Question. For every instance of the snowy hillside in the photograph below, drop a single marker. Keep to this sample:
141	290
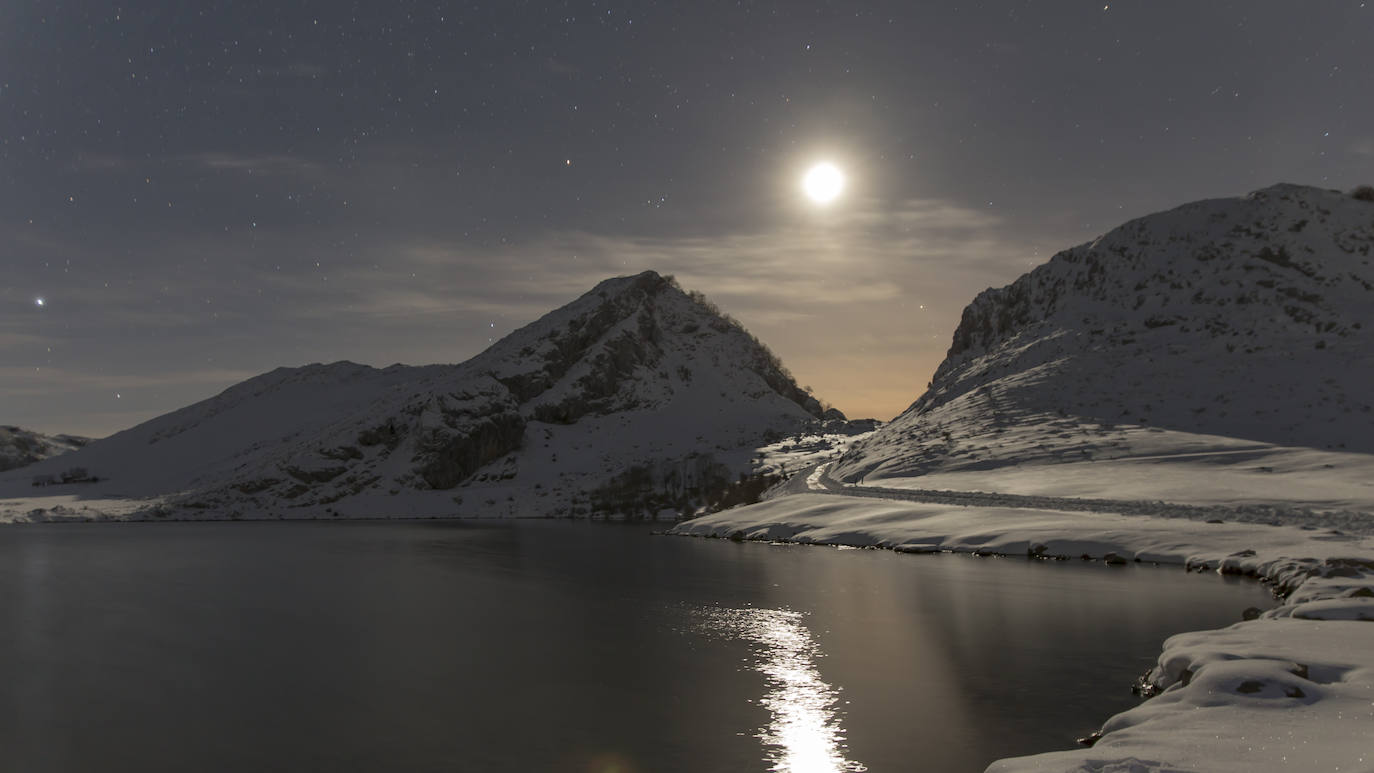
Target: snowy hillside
636	395
20	447
1232	330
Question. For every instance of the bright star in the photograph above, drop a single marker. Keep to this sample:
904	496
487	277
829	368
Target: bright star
38	301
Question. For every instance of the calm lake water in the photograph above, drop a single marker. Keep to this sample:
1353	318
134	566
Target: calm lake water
556	646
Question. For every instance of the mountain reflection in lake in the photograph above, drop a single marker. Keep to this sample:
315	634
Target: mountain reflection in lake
804	735
552	646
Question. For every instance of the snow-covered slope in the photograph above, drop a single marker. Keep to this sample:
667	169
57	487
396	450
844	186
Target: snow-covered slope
636	395
20	447
1245	321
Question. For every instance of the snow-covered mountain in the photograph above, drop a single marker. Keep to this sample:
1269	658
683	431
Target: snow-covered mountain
1245	318
20	447
636	395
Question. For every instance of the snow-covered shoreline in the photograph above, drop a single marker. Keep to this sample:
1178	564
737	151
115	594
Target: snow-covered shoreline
1293	689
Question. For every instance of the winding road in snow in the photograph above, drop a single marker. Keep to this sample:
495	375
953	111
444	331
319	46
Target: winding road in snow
818	480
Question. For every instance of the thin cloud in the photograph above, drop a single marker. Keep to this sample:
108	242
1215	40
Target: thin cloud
873	256
880	286
271	164
101	162
16	341
29	381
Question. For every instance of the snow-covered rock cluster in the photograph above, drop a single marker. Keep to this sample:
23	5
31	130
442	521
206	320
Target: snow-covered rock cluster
1291	690
20	447
636	396
1249	318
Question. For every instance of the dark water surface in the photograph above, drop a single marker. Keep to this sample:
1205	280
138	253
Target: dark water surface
555	646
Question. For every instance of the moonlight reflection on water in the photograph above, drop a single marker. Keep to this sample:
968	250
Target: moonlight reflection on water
804	735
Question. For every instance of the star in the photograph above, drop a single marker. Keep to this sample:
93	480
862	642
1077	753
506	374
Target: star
39	302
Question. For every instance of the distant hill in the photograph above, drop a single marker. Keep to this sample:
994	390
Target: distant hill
635	397
21	447
1249	318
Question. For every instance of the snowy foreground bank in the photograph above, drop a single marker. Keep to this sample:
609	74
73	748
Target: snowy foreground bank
1292	690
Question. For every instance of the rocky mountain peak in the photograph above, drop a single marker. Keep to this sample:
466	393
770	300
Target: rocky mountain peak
1248	317
602	352
1261	248
635	385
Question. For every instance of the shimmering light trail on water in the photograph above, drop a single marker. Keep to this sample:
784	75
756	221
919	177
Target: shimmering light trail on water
805	735
409	646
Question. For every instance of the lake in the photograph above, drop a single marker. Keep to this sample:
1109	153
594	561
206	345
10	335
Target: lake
557	646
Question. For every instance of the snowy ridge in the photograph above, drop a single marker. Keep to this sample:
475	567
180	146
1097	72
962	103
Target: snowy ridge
635	396
1247	318
20	447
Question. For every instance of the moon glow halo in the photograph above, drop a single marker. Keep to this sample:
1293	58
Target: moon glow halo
823	183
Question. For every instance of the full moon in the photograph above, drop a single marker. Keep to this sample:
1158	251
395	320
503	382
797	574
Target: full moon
823	183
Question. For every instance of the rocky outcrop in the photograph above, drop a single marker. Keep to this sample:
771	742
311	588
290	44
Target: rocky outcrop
445	459
20	447
589	361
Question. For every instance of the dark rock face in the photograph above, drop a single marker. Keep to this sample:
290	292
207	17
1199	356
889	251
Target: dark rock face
562	349
996	315
446	459
597	390
319	475
677	484
617	333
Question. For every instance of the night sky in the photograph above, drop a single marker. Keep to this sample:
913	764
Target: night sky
199	192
